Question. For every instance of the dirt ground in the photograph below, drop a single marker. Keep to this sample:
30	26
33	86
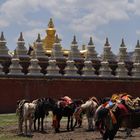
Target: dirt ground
77	134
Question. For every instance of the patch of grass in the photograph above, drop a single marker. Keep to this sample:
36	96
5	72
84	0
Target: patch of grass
8	119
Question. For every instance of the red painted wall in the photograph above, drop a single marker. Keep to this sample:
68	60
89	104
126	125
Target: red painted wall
13	89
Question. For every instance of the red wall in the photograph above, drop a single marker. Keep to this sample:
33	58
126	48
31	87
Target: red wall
13	89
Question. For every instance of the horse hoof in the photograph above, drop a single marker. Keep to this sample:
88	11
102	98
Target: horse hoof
57	131
20	133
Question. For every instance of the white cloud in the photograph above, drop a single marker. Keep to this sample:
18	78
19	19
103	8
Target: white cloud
4	23
81	16
138	32
79	13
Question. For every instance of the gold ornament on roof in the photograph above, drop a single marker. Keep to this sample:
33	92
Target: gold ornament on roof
50	38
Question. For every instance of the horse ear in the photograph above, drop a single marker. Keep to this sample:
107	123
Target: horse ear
18	101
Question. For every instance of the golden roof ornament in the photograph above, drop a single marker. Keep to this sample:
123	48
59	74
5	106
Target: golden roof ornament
50	24
90	41
20	37
2	37
49	40
122	44
74	40
107	42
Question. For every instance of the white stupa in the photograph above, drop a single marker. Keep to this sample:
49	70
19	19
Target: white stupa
121	71
91	54
71	69
3	48
74	53
15	68
39	50
88	69
34	68
136	70
52	69
136	55
122	56
107	53
57	49
105	70
21	50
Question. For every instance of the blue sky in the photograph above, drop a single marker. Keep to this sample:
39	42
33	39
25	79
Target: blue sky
84	18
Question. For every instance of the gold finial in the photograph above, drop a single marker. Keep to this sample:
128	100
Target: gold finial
51	25
138	44
122	44
2	37
74	40
38	38
57	40
107	42
90	41
21	37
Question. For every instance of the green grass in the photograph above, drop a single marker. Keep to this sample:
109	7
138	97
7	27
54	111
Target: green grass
8	119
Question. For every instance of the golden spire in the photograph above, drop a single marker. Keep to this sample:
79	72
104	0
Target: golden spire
49	40
50	24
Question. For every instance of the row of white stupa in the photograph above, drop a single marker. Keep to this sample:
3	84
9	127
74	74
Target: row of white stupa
70	69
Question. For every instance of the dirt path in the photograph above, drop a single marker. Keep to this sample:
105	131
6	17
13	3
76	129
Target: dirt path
77	134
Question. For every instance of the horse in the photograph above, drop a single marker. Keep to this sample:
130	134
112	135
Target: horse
110	119
25	112
89	108
78	117
43	106
65	107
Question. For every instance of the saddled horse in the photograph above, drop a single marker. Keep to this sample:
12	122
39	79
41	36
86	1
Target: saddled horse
109	120
43	106
63	108
25	112
89	108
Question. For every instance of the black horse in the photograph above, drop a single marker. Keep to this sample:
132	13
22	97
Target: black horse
123	119
44	105
64	111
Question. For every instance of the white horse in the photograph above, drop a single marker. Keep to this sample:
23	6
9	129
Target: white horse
89	108
25	112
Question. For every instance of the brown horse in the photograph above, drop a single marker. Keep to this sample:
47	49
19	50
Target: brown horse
122	116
